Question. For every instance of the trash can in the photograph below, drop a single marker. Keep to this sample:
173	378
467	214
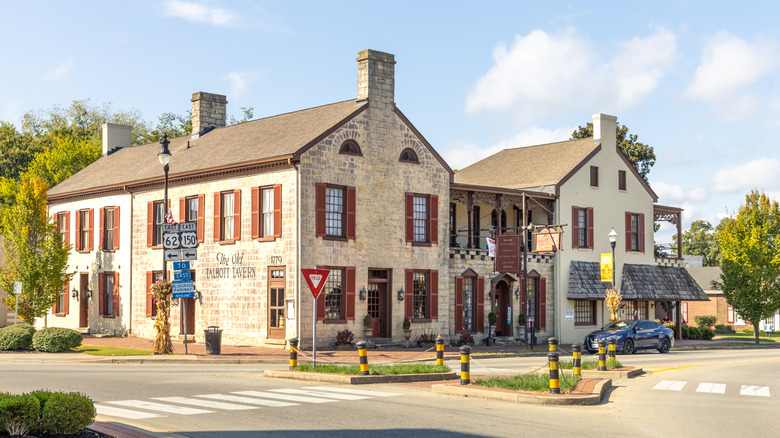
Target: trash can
213	339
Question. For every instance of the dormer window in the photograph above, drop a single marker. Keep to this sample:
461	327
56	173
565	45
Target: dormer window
350	147
408	156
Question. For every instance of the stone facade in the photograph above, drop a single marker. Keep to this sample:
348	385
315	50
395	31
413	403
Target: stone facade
208	111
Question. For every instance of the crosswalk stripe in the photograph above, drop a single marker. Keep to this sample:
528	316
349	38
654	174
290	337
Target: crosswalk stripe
284	397
248	400
714	388
669	385
123	413
152	406
353	391
759	391
320	394
205	403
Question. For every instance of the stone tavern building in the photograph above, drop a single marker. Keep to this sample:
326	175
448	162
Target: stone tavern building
355	188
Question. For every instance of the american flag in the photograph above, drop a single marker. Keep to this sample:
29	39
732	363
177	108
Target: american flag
169	218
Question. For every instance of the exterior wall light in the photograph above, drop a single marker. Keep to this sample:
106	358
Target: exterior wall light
401	294
362	293
74	293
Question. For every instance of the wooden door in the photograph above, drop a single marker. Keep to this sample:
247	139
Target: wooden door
83	300
374	308
276	318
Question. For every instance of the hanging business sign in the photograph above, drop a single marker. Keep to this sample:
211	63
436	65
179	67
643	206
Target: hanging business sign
606	267
507	259
547	240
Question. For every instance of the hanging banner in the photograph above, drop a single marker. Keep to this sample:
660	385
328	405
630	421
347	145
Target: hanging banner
606	268
547	240
491	244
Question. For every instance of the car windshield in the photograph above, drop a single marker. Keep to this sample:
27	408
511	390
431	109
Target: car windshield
617	325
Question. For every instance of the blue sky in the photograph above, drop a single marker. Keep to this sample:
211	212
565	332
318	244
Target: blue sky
697	81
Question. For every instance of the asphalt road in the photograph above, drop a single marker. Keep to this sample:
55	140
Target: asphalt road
689	394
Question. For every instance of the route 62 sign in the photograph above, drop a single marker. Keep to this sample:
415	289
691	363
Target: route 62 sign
171	240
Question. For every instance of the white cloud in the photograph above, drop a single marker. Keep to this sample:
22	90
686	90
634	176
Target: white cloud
200	13
239	81
761	173
60	71
544	73
672	194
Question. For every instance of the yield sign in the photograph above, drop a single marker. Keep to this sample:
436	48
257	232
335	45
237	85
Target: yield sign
315	278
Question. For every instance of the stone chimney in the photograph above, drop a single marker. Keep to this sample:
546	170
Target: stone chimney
376	79
115	137
604	127
208	112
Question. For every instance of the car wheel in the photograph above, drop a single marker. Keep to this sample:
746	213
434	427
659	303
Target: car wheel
628	347
665	346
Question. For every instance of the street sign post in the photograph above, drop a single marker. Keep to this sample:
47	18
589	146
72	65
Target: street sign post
182	284
172	255
189	254
315	278
181	266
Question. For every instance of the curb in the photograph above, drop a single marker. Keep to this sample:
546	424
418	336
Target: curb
359	380
621	373
521	397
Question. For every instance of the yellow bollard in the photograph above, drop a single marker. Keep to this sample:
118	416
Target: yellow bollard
440	350
576	351
293	353
363	358
465	351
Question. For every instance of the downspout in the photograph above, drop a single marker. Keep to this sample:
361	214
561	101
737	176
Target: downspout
130	322
297	250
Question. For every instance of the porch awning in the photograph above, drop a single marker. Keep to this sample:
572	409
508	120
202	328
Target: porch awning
585	281
660	283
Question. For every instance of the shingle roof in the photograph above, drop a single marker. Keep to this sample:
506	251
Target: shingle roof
530	166
704	276
659	283
262	139
585	281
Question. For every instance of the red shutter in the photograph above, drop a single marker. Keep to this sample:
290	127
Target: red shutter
149	223
542	303
67	226
434	292
351	212
149	302
116	227
684	308
590	227
479	317
277	210
409	202
201	216
408	294
254	204
349	311
237	214
91	229
628	231
641	232
434	219
78	230
575	227
66	298
101	293
459	304
319	205
102	220
730	315
116	293
183	210
217	216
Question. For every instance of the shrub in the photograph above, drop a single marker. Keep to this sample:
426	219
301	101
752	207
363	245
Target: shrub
16	336
722	328
747	330
466	339
705	321
19	414
407	324
54	339
492	318
344	337
706	333
693	333
67	413
367	321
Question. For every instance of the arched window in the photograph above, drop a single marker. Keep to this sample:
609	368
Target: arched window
350	147
408	156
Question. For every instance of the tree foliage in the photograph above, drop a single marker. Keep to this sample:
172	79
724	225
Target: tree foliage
639	154
750	246
700	240
34	252
170	124
16	150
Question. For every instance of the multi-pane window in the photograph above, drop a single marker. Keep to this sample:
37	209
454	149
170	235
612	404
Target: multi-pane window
228	211
334	294
108	290
159	220
453	228
634	310
582	222
190	213
267	221
469	287
634	235
584	312
59	307
62	225
420	295
108	228
475	227
334	211
276	301
420	218
84	229
156	276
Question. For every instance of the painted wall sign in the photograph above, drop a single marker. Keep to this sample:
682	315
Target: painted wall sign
230	266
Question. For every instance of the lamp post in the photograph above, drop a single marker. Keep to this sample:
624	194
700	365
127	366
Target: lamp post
165	156
612	239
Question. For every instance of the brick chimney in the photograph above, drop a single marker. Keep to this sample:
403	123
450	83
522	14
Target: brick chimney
604	127
115	137
208	112
376	78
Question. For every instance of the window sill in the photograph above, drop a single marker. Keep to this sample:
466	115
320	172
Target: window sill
107	316
421	243
108	250
421	320
83	251
227	242
265	239
156	246
337	238
334	321
61	314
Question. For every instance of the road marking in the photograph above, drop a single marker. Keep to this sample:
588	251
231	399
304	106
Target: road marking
205	403
284	397
682	367
248	400
353	391
123	413
320	394
669	385
713	388
752	390
152	406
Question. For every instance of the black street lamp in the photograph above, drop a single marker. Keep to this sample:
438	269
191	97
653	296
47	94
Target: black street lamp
165	156
612	239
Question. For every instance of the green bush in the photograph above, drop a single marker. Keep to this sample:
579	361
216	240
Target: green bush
693	332
54	339
707	333
19	414
16	336
705	321
67	413
747	330
722	328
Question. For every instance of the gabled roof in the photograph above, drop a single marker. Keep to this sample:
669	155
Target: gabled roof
660	283
704	276
270	139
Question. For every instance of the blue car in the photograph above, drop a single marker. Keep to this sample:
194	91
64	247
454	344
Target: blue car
631	336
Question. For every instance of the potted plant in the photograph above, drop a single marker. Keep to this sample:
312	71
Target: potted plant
492	318
368	330
407	325
521	325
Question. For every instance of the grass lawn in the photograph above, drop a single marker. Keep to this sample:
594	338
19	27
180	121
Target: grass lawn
750	337
529	382
377	370
591	364
97	350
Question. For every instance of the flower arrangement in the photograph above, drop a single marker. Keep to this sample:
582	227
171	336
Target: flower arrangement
161	297
613	299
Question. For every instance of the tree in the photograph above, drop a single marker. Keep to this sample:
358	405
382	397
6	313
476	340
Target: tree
249	113
16	150
750	246
34	252
700	240
639	154
170	124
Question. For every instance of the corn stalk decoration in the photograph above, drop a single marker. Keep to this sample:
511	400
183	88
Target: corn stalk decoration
161	292
613	298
